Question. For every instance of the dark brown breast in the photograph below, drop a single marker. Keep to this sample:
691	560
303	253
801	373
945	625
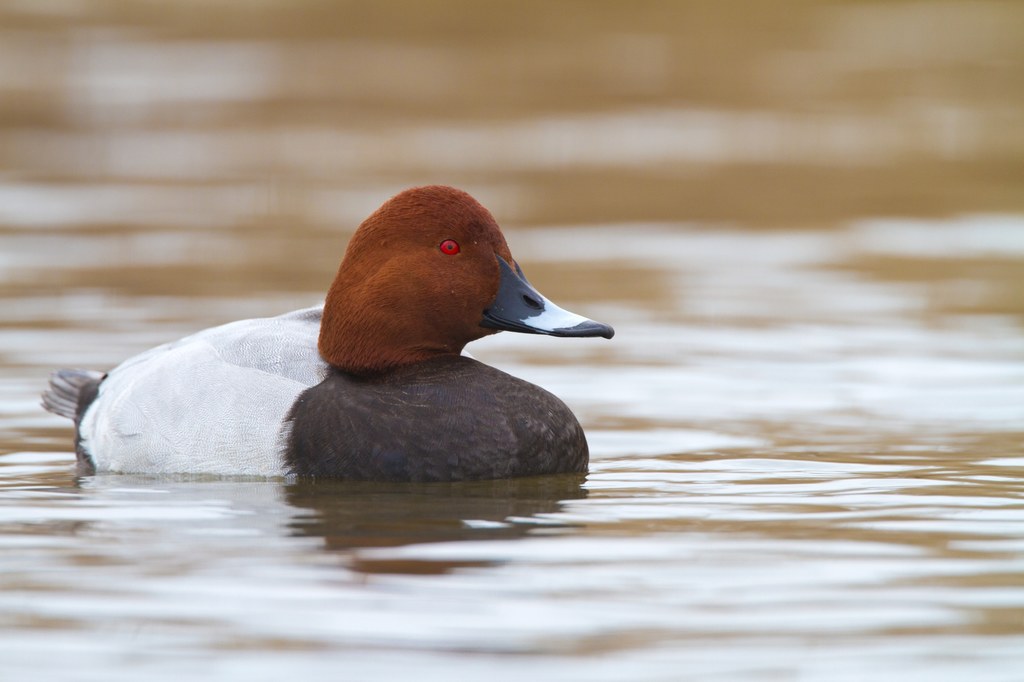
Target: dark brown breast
446	419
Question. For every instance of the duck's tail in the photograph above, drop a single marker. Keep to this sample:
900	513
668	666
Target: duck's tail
71	391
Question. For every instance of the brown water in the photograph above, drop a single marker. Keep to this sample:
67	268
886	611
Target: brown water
805	221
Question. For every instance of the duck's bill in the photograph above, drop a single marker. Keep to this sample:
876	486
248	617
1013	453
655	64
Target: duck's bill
518	307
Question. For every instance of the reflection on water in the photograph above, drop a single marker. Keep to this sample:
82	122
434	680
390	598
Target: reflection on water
354	515
804	221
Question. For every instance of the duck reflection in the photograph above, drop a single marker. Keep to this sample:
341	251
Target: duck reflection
354	515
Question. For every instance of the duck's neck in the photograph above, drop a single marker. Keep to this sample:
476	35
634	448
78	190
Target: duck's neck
367	340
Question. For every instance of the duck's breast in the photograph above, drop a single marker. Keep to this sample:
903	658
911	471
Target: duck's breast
213	402
447	419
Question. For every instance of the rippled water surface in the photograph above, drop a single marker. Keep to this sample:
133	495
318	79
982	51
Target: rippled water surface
806	227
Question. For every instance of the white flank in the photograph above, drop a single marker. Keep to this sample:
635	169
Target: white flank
213	402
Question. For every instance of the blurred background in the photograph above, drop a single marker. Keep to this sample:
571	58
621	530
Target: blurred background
303	115
711	177
804	219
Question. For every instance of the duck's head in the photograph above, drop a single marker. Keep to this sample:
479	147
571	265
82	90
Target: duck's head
425	274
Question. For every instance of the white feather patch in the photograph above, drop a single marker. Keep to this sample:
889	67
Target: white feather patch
213	402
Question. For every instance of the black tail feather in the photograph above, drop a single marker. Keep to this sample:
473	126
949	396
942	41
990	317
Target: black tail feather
71	391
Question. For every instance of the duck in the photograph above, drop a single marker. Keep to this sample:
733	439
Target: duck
374	384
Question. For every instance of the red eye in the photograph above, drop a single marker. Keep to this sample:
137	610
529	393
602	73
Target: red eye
449	247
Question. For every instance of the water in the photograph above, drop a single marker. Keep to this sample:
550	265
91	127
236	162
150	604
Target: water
806	434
